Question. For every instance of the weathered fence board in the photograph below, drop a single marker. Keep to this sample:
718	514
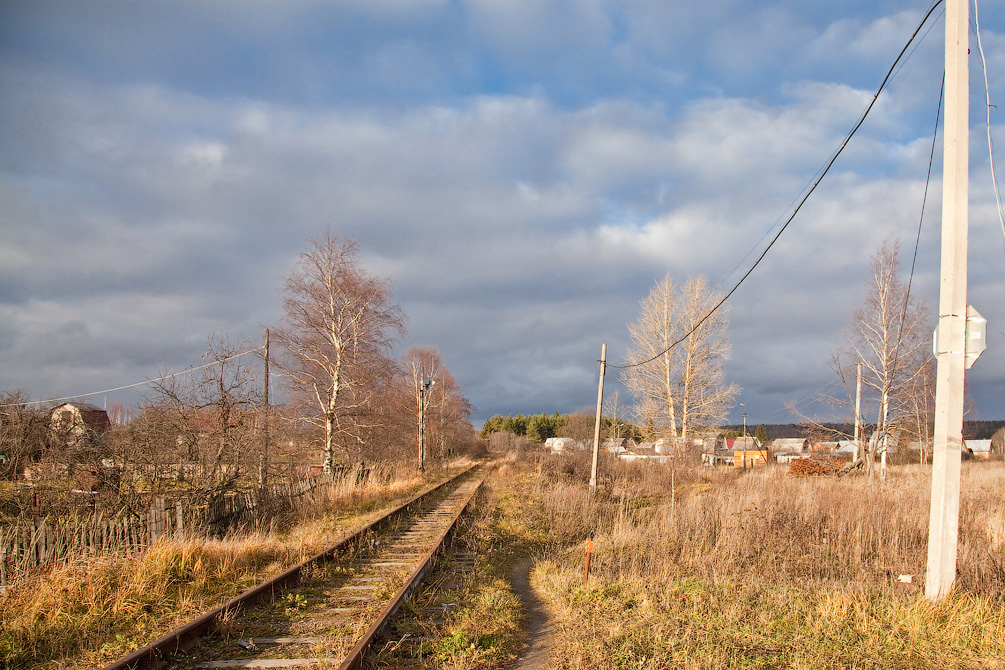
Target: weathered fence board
28	544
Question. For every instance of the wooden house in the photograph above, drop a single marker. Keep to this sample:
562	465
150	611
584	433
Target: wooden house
979	449
752	458
79	421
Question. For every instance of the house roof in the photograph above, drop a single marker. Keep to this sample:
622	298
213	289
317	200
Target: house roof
82	406
790	444
978	445
91	415
749	443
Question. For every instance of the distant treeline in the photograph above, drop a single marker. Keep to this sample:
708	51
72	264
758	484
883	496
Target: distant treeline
981	430
539	427
972	430
772	431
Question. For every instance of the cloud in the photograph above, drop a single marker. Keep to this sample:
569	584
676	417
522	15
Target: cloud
523	171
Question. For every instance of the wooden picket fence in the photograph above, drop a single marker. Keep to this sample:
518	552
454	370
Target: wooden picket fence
32	544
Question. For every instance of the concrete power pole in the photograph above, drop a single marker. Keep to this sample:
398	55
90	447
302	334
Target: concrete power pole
596	427
943	528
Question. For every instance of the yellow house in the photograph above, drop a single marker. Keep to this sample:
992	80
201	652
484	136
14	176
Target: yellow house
748	452
752	458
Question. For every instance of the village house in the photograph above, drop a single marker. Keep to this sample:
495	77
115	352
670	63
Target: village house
748	452
79	422
979	449
78	427
561	445
787	449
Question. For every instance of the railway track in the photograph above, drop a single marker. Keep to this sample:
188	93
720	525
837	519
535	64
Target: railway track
328	610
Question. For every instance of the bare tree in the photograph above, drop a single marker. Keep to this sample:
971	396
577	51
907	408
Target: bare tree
24	432
580	426
617	429
337	331
424	362
889	336
448	411
676	364
208	415
917	421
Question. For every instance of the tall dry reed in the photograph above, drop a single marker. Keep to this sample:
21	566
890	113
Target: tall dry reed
669	521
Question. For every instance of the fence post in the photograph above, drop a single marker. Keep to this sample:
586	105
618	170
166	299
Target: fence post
178	519
163	522
40	533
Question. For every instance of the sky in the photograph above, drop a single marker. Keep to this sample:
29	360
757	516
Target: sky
523	170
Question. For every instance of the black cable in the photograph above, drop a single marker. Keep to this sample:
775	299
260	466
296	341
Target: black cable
830	163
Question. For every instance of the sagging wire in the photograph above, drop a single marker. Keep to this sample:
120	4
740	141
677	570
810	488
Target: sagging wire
991	145
129	386
816	397
816	182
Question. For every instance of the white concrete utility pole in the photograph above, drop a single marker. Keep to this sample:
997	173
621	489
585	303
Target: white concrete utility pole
596	427
943	529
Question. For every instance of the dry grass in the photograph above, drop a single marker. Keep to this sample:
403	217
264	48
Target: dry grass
484	623
90	612
695	624
714	568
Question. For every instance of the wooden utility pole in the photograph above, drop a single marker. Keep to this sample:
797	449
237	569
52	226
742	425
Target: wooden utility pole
943	528
596	427
424	384
422	427
263	464
859	451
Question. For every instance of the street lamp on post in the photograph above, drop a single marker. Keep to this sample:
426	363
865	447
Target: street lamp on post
744	439
424	385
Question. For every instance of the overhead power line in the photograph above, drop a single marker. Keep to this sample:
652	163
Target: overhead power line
991	144
134	385
816	182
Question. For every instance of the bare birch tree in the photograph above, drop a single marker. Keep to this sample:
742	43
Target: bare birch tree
337	330
448	411
676	364
889	335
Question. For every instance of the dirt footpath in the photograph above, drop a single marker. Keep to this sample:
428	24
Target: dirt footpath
539	629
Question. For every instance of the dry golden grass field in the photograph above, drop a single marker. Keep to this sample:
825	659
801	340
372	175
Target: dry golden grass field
717	568
692	568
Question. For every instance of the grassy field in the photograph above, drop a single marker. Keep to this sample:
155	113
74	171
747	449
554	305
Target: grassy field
714	568
692	568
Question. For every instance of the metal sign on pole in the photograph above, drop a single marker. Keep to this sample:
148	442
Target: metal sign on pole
977	336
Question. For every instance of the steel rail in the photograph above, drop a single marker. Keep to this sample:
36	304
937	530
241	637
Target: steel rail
185	637
354	661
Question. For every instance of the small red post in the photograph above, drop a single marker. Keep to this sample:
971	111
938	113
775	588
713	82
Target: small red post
589	554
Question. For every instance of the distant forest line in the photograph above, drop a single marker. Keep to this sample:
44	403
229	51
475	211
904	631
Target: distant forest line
539	427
